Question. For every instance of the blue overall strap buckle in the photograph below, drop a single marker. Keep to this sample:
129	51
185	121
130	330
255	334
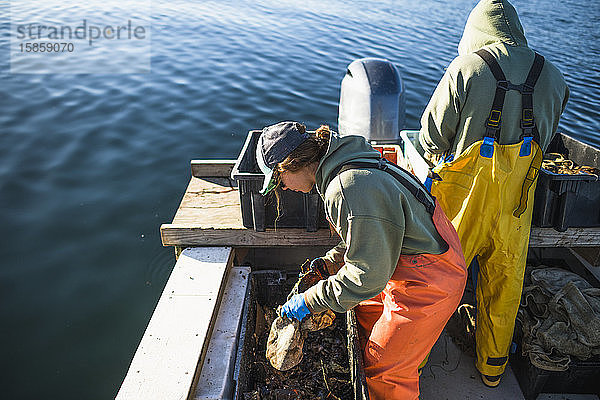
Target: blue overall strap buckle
428	183
526	146
487	147
447	158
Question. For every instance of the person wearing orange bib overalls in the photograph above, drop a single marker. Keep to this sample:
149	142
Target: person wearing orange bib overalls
399	262
489	120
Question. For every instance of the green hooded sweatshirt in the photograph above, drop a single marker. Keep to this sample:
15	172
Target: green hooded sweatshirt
378	220
456	114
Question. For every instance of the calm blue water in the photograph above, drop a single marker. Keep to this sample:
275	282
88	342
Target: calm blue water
91	165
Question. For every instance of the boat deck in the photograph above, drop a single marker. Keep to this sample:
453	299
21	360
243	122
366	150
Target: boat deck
450	374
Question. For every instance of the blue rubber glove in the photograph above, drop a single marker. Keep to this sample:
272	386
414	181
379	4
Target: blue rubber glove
295	308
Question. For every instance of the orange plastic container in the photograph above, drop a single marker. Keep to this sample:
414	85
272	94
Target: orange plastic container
390	152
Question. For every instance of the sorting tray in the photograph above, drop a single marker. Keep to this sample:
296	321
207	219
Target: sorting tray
271	287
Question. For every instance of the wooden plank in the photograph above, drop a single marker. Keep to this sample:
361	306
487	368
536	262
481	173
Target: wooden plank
212	168
165	364
211	215
591	268
207	204
590	254
190	235
215	215
572	237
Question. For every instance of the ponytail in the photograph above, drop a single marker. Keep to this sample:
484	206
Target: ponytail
309	152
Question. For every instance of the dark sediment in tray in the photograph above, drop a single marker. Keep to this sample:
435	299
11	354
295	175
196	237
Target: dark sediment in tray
323	373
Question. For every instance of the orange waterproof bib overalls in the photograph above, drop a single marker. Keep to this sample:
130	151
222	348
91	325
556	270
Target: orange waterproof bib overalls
400	325
487	192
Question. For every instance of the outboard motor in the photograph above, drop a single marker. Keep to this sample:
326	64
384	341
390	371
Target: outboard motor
372	102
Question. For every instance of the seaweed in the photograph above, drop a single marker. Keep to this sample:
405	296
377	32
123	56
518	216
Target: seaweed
323	373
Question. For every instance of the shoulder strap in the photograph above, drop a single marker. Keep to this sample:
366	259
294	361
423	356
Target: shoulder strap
528	126
492	63
492	124
527	120
413	185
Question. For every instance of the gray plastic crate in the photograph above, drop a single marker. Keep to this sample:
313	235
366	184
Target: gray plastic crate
564	201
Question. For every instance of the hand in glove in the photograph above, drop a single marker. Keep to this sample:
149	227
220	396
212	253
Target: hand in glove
295	308
319	267
311	272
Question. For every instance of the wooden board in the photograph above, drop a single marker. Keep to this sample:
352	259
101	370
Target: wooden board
572	237
591	268
165	363
209	205
190	235
590	254
212	168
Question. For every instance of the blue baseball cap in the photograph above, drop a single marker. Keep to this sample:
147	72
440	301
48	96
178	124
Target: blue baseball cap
275	143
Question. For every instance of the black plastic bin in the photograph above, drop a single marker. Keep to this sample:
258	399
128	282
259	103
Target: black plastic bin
296	210
271	287
564	201
582	376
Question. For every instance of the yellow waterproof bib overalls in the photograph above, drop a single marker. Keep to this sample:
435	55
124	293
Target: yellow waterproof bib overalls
487	192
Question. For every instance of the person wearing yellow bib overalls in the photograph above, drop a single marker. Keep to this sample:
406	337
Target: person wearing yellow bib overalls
491	116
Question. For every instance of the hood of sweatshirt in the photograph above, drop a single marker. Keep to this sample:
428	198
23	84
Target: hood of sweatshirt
340	151
491	21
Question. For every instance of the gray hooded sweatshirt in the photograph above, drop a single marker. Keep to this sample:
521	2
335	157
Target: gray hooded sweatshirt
455	116
377	218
